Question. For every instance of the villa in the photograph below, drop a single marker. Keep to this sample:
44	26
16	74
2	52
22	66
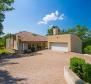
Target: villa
27	41
24	41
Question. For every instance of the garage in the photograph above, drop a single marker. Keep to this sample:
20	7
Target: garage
63	47
64	42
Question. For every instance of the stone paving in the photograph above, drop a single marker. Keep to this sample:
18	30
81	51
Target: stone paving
44	67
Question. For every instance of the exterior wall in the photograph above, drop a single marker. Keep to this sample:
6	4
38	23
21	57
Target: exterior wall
9	43
76	44
65	38
17	42
25	46
20	47
15	45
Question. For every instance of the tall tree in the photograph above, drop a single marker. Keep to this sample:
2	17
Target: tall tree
50	31
81	31
5	5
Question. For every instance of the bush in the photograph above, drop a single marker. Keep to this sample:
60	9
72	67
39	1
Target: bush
4	51
76	65
87	72
87	49
81	68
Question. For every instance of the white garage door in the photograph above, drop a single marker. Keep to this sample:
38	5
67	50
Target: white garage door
63	47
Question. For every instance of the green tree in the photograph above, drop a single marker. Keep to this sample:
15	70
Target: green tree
3	39
83	33
8	35
50	30
2	42
5	5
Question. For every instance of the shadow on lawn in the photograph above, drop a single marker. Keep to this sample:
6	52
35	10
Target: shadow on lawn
12	56
6	78
6	62
5	59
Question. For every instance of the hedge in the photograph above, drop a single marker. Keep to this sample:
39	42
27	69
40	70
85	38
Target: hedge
81	68
87	72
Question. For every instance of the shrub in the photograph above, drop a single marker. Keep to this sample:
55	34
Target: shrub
4	51
87	72
81	68
76	65
87	49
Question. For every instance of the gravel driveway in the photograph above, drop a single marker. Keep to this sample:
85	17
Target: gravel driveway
44	67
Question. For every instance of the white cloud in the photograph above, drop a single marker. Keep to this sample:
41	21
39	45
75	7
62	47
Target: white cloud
51	17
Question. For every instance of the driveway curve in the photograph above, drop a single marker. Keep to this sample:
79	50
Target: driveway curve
43	67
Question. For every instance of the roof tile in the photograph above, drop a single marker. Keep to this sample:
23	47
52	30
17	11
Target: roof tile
28	36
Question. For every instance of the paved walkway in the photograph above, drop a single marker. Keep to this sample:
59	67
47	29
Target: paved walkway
44	67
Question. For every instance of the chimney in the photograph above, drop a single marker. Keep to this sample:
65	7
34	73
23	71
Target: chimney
55	30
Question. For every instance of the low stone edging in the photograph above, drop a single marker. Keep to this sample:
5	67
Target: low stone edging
89	55
72	78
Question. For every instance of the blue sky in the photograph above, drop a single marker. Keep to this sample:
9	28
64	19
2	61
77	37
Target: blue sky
37	15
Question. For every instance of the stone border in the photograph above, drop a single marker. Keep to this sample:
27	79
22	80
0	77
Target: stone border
87	55
72	78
